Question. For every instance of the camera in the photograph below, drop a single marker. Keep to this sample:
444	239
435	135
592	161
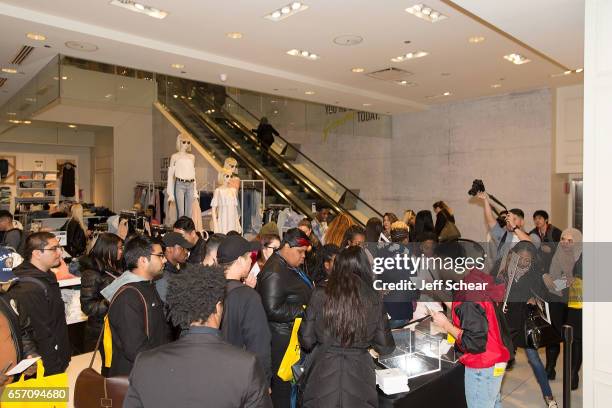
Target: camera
477	187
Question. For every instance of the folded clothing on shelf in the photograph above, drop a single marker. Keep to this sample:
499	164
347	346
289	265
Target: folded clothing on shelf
51	185
38	175
26	194
51	176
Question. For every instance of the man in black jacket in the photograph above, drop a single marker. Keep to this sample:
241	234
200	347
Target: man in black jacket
245	324
199	369
9	235
285	290
136	314
186	227
38	296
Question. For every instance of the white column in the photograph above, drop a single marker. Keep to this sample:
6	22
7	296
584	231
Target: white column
597	199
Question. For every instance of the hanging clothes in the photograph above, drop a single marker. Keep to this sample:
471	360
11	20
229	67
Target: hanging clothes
68	180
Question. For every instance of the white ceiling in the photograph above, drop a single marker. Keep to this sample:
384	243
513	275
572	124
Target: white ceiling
194	35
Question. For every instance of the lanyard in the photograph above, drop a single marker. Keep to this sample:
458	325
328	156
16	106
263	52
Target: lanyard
300	273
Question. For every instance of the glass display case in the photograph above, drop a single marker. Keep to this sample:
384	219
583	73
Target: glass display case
417	352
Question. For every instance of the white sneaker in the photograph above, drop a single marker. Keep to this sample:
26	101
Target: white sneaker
552	404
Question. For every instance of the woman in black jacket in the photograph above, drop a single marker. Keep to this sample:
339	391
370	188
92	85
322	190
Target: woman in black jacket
76	232
99	269
443	214
285	290
265	133
343	320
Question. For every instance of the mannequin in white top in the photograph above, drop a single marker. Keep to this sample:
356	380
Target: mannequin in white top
224	205
181	177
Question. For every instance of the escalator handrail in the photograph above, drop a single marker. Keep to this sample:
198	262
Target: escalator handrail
346	189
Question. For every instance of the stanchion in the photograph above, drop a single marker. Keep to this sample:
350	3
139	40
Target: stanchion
568	339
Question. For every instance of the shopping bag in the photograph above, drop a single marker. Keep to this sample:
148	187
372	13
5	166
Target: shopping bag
292	354
38	392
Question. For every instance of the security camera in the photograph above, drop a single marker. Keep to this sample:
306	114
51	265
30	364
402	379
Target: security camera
223	77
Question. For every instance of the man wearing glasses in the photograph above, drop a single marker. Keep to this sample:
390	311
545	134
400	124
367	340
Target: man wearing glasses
136	317
38	296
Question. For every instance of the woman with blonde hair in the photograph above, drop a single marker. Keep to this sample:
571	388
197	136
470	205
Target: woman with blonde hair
337	229
410	220
76	232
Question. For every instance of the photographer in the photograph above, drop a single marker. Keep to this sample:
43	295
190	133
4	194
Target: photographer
506	236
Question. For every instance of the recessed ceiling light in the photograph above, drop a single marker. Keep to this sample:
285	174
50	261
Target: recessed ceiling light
72	126
9	70
304	54
447	93
410	55
496	86
579	70
286	11
81	46
234	35
140	8
405	83
64	78
366	104
426	13
178	66
309	92
36	37
27	122
476	39
357	70
348	40
517	59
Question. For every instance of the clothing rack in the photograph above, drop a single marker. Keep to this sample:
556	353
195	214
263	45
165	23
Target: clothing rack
252	184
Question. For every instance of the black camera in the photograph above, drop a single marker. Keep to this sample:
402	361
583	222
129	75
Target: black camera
477	187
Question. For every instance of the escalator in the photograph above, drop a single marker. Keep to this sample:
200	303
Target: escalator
291	177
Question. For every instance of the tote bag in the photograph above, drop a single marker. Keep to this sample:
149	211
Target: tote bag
292	354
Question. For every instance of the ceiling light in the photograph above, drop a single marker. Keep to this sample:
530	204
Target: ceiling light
72	126
405	83
410	55
27	122
9	70
304	54
36	37
81	46
309	92
496	86
426	13
286	11
579	70
517	59
140	8
446	93
234	35
476	39
178	66
357	70
64	78
366	104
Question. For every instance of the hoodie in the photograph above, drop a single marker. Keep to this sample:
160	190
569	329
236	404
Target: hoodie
125	278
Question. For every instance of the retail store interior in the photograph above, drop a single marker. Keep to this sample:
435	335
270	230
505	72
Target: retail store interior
376	108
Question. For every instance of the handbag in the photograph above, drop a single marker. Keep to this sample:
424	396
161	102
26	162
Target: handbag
92	389
57	383
292	354
538	332
450	232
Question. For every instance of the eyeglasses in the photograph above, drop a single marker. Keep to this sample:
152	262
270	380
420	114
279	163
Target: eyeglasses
55	248
160	255
271	247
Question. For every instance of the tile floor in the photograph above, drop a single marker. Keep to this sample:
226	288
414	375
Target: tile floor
519	389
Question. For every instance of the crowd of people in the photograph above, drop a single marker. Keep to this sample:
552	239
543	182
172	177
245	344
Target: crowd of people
211	316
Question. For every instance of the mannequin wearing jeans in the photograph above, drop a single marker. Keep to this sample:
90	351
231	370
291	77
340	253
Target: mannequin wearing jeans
181	177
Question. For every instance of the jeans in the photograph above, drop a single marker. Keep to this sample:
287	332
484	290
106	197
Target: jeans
482	389
539	371
183	192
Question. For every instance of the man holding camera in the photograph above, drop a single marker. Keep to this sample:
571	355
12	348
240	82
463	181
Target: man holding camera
506	230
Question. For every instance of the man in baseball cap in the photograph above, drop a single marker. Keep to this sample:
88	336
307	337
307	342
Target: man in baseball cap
244	324
176	252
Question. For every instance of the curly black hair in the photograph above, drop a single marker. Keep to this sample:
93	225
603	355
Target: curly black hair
194	294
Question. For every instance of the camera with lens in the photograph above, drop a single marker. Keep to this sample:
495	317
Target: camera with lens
135	221
477	187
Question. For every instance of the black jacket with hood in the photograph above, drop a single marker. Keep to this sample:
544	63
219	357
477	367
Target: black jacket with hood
42	303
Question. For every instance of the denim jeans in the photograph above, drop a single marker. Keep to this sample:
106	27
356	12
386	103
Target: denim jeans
482	389
539	371
183	192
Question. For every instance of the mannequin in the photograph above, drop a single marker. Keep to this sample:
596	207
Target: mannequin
230	164
224	204
181	177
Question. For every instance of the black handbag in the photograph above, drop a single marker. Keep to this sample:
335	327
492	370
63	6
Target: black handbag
538	332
